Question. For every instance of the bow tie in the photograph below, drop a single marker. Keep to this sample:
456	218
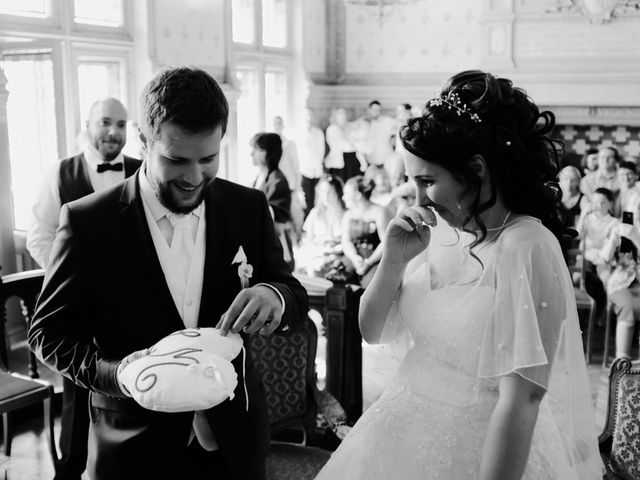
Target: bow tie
116	167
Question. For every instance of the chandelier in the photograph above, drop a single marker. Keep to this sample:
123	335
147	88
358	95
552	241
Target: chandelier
381	8
599	11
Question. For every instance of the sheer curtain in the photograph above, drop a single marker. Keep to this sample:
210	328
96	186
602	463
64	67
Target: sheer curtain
31	120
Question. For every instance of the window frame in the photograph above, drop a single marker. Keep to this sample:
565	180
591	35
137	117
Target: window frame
257	47
261	58
91	52
123	32
48	24
69	42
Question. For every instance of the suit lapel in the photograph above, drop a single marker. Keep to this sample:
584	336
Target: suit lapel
130	166
218	289
135	227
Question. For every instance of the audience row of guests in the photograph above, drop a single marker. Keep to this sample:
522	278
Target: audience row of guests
345	150
604	206
343	229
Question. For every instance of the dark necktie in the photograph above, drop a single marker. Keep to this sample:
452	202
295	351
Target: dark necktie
116	167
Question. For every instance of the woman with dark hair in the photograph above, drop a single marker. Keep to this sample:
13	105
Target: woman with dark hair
589	161
266	153
363	225
473	282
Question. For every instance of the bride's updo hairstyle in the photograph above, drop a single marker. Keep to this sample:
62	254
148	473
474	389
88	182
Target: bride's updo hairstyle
479	114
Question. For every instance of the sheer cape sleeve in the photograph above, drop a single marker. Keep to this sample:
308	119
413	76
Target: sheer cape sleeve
521	309
533	331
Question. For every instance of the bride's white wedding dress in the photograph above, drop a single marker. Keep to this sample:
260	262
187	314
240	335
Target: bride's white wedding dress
468	325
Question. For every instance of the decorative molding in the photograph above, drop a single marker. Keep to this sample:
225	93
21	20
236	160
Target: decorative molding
435	36
583	115
382	79
193	34
314	35
498	19
355	98
335	42
585	89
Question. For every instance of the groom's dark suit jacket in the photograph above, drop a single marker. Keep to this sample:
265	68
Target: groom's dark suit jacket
105	296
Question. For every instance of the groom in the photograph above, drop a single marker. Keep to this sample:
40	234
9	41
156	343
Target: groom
115	286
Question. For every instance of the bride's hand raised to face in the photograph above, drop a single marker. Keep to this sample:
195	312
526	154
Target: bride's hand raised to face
408	234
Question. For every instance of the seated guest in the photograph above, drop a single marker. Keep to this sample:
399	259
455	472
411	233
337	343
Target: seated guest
266	153
321	241
604	176
594	227
629	194
623	287
589	162
382	191
572	198
363	227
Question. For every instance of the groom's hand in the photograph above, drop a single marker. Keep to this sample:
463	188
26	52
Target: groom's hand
255	309
132	357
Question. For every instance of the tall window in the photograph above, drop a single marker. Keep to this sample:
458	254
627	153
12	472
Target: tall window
261	34
25	8
274	23
243	25
82	55
31	115
96	79
106	13
250	120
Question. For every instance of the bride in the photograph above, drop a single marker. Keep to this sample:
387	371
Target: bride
473	282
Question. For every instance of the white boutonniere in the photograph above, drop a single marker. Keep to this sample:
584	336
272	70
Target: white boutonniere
245	270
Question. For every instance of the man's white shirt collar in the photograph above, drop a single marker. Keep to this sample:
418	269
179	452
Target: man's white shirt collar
93	157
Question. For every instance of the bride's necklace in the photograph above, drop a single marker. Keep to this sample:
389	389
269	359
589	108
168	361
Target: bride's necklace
504	222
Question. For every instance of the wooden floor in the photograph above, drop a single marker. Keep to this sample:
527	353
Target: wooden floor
30	459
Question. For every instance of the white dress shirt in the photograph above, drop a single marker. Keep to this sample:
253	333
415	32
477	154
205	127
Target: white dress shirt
374	138
186	292
310	145
339	143
45	213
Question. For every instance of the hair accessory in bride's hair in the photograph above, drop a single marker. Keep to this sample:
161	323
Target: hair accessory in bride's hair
452	101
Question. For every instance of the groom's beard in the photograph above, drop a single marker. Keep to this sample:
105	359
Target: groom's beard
168	196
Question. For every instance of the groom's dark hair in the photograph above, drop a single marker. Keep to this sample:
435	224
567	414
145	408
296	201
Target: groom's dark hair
187	97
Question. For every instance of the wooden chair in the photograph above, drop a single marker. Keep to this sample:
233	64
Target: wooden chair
17	390
620	439
585	304
287	365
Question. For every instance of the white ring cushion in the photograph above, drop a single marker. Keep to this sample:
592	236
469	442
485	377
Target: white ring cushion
188	370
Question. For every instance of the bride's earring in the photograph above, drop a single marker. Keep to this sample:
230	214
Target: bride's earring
459	207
